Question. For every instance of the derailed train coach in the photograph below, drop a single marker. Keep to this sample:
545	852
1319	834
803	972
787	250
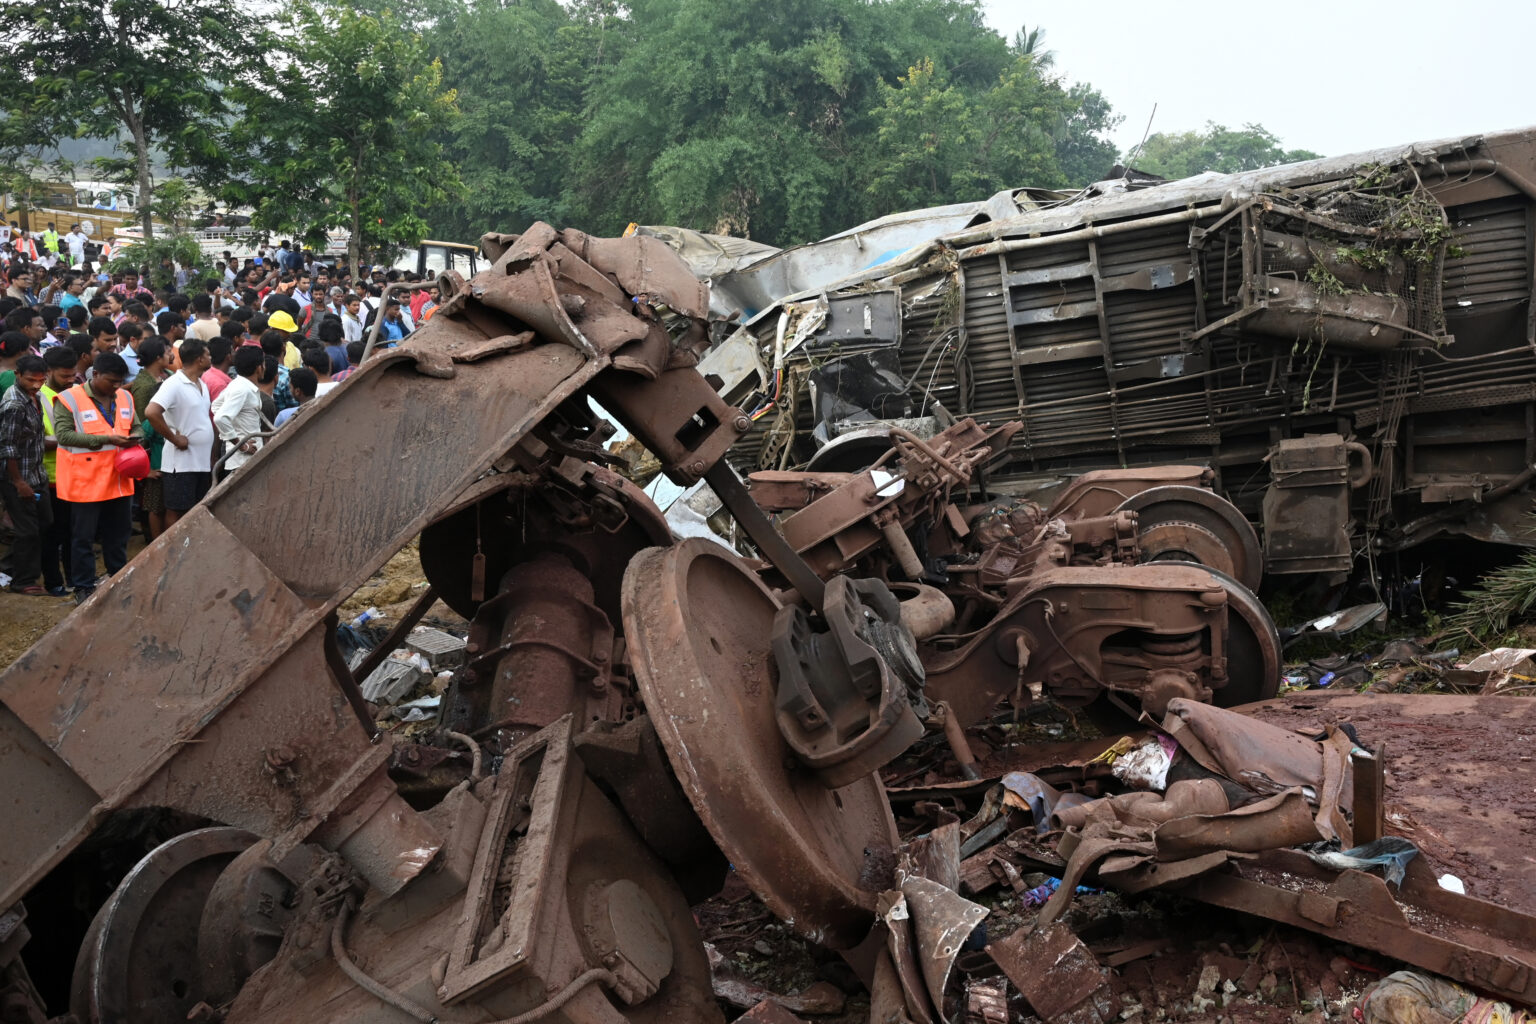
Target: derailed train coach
1348	344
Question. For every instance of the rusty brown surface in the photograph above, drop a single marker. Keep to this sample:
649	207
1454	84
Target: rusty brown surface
1480	943
1168	325
1066	616
698	626
1455	782
232	703
1192	524
1059	975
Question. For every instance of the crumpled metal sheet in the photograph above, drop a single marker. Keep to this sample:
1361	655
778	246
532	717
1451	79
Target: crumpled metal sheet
1058	974
1280	821
1183	798
942	920
928	920
1243	749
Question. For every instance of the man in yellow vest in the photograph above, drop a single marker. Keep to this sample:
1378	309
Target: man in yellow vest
92	421
61	361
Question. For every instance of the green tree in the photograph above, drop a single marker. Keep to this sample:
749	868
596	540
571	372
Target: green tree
155	257
754	119
161	71
1214	148
942	143
343	131
521	73
1083	153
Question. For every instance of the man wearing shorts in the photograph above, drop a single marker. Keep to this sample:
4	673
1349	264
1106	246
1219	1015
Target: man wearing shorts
180	413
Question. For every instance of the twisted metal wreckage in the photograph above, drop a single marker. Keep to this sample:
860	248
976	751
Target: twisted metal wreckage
638	713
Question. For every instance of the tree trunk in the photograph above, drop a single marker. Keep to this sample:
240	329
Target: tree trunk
353	241
141	152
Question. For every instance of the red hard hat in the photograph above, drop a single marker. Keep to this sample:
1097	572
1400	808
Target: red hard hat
133	462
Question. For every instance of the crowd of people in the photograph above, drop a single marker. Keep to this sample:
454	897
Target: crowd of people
122	404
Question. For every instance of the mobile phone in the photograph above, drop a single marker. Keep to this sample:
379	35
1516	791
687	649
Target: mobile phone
61	324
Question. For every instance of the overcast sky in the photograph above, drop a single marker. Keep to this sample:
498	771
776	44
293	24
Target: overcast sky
1334	77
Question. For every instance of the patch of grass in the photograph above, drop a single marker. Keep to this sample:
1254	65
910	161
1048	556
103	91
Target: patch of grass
1500	599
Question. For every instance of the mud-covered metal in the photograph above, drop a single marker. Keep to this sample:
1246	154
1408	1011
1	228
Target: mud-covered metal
698	625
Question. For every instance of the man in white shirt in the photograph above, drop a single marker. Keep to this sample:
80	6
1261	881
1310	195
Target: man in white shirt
180	412
237	413
75	240
352	318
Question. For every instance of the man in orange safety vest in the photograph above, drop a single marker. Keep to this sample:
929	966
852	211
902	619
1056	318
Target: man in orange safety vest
92	421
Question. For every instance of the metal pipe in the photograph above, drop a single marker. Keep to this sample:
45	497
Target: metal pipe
954	735
722	479
378	320
383	993
901	547
960	475
474	753
235	447
1450	168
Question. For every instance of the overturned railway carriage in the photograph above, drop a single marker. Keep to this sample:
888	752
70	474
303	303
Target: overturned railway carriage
1347	343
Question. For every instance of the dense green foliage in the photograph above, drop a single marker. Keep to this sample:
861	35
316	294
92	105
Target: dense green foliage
159	71
1215	148
343	132
784	122
396	119
151	257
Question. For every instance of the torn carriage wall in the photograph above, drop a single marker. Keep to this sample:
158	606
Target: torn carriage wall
1381	301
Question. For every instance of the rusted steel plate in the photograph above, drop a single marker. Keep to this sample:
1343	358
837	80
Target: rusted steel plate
698	626
44	805
126	682
421	439
1480	943
1455	786
160	649
1059	975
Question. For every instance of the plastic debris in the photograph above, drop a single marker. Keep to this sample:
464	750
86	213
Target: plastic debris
1146	767
1390	853
396	676
1452	884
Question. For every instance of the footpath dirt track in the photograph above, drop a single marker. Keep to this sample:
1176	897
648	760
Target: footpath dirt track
23	620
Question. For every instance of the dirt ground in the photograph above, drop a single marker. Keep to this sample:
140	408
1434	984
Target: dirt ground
23	620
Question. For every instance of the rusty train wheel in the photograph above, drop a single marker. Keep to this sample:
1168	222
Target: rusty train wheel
698	625
1191	524
139	963
1254	657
